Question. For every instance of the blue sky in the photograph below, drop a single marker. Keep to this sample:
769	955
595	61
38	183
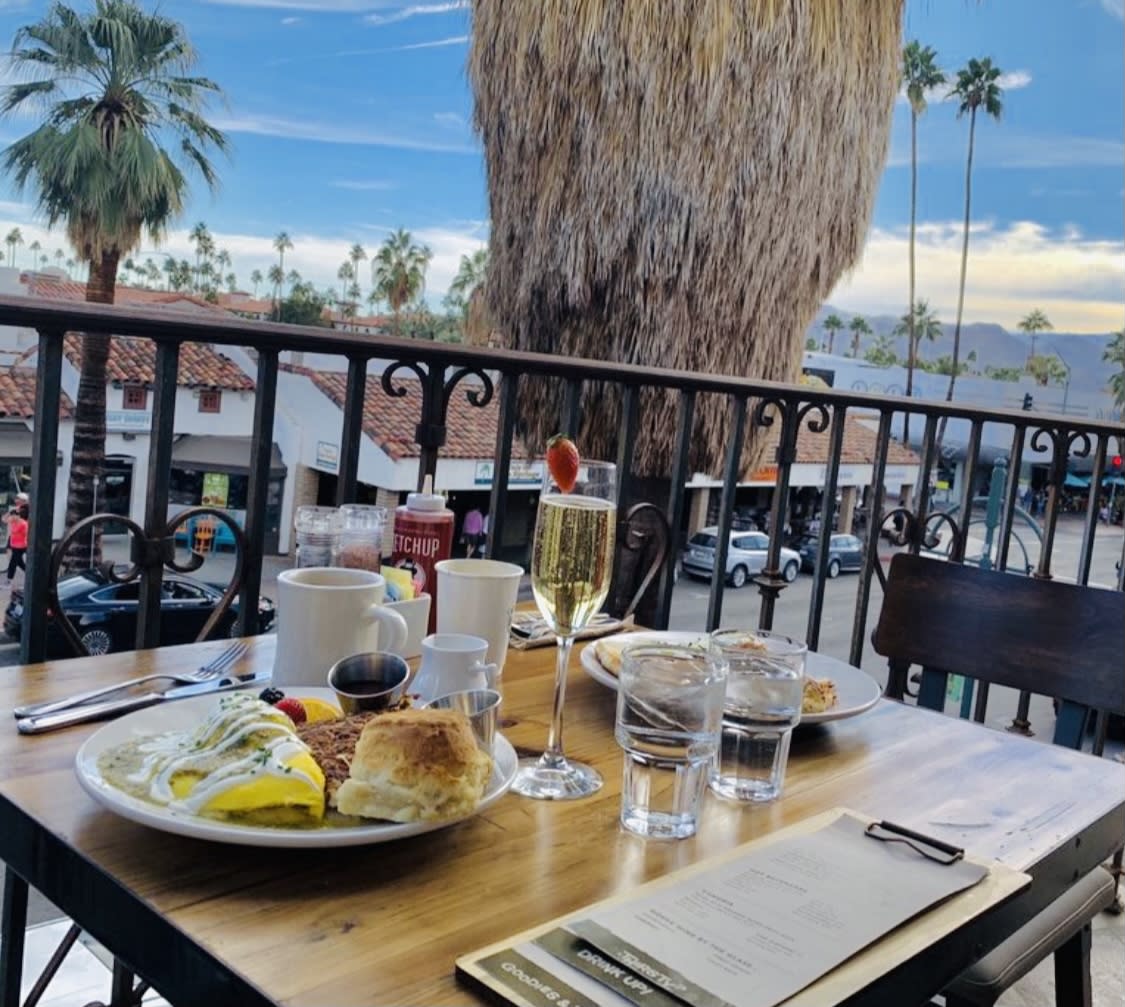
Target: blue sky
350	118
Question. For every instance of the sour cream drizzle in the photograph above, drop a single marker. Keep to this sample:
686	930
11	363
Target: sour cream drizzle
261	736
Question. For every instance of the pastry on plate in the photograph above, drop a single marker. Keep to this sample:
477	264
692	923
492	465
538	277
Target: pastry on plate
608	653
820	695
415	766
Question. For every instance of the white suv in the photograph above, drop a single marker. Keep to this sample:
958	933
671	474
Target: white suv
746	556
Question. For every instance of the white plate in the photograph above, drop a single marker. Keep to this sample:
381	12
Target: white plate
182	715
857	691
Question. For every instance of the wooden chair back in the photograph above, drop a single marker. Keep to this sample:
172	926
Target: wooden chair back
1041	636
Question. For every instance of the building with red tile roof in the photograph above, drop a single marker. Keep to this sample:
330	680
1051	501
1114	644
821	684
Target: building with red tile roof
17	395
132	361
56	287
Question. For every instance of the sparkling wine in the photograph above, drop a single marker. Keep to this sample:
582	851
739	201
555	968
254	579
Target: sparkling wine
572	558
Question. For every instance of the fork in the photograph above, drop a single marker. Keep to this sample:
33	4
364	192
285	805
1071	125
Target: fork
209	671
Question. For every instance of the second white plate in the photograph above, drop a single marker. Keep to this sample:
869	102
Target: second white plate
858	692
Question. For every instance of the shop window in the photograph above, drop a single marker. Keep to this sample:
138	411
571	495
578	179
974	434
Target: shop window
134	397
210	400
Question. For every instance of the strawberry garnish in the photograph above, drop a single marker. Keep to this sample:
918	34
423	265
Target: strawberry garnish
562	461
294	709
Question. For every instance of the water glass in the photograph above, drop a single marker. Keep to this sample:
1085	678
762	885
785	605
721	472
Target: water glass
764	691
669	711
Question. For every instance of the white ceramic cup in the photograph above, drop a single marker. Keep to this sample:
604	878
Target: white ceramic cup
478	596
416	612
452	662
325	614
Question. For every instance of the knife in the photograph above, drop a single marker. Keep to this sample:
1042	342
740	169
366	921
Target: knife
112	708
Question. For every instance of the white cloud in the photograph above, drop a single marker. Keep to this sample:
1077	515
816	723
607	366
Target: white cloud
409	12
1077	280
452	40
291	20
1115	7
327	132
364	184
1018	150
449	119
1015	80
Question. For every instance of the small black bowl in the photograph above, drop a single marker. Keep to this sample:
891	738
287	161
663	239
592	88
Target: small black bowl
373	681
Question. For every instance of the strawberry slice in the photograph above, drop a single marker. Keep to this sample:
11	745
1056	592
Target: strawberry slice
562	461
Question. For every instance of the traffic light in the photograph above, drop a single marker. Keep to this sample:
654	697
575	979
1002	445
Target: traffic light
1116	463
1027	401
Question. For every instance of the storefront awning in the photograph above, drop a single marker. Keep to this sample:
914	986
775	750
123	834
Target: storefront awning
206	453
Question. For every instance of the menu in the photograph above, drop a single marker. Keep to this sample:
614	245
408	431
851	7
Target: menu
750	931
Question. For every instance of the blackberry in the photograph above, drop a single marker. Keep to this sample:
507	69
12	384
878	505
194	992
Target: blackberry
271	696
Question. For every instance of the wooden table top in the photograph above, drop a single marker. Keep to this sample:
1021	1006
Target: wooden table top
384	924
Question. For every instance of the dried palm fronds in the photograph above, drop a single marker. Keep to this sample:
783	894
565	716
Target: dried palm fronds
676	184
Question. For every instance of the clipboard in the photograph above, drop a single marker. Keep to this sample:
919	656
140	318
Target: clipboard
513	972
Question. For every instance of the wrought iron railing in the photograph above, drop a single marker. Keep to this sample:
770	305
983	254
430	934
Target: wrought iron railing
441	370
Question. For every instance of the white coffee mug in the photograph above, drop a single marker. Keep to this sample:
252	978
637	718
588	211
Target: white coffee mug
416	612
325	614
452	662
478	596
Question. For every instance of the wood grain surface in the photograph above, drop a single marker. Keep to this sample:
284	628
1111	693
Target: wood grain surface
384	924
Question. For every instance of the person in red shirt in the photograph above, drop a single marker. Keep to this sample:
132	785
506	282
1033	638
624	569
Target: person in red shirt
16	520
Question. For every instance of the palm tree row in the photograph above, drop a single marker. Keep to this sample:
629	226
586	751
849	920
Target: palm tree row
975	89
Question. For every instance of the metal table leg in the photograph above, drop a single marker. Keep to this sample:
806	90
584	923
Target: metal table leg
13	923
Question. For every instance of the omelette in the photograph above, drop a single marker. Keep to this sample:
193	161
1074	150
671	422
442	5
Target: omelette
243	763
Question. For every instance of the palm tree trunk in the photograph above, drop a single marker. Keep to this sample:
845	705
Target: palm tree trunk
87	458
911	342
964	266
831	340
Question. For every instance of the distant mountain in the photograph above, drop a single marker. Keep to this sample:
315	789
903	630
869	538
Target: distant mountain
995	346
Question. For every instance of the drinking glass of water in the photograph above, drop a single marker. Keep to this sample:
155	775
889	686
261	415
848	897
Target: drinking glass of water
669	710
763	705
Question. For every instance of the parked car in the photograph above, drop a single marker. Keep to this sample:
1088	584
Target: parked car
845	552
105	613
746	555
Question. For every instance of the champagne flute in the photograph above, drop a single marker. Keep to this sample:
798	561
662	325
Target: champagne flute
571	566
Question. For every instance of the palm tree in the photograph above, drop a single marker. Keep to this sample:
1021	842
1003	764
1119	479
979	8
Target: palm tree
70	264
13	241
615	243
470	275
398	272
1034	322
114	82
34	248
357	254
231	280
345	274
276	276
921	323
832	324
859	328
198	236
1115	354
976	88
920	74
282	243
60	255
256	279
152	272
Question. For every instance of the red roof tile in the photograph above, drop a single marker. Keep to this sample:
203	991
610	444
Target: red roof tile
17	395
61	289
133	361
390	422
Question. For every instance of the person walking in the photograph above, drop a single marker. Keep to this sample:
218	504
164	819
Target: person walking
471	531
16	520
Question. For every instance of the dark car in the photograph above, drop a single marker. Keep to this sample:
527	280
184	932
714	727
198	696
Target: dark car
105	613
845	552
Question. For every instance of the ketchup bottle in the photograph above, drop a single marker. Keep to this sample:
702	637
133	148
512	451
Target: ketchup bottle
423	538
